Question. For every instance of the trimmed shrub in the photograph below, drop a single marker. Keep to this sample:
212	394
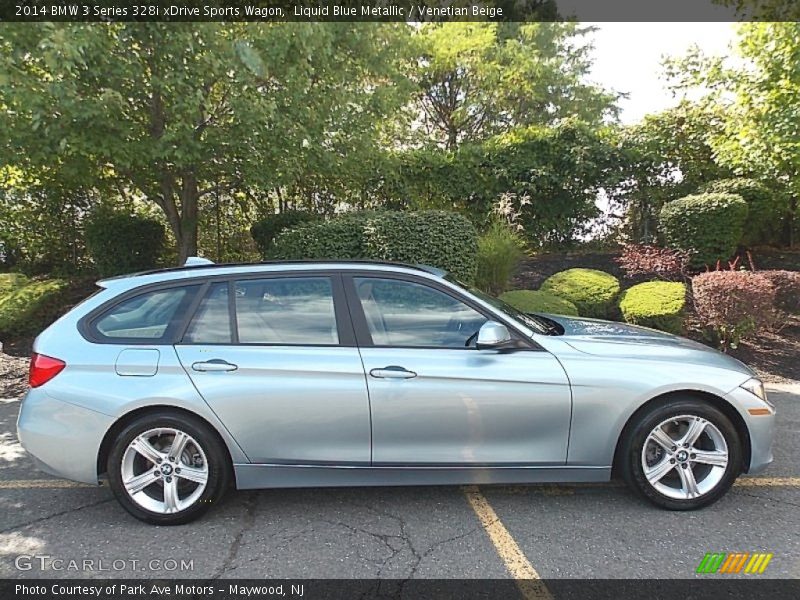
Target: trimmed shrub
499	251
265	230
122	243
591	291
787	289
529	301
10	282
641	259
656	304
707	225
339	238
766	208
438	238
32	307
733	304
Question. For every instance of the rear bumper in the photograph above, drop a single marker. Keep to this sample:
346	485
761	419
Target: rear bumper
761	429
64	439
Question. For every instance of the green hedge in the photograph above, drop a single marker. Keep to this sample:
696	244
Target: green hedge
656	304
708	225
529	301
592	292
10	282
265	230
438	238
766	208
31	308
122	243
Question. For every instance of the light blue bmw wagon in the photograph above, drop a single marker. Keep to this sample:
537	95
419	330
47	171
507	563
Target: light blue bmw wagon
178	384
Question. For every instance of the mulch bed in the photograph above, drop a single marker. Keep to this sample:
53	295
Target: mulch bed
13	375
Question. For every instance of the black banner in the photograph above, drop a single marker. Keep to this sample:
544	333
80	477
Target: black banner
702	588
395	10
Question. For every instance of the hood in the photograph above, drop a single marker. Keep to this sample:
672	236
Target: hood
610	339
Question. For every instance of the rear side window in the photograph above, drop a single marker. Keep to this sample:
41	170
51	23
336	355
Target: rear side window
211	323
292	310
150	316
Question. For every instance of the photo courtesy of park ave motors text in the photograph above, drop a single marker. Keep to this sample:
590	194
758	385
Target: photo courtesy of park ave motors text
335	300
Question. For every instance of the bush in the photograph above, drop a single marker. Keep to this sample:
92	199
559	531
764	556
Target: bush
10	282
31	308
707	225
733	304
438	238
787	289
641	259
529	301
499	251
265	230
766	208
592	292
656	304
123	243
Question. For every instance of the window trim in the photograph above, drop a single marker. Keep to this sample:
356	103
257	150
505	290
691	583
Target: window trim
361	327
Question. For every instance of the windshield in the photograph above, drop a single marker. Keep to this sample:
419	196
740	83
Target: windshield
538	324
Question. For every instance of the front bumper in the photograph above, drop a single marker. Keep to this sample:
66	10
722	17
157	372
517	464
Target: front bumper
760	428
64	439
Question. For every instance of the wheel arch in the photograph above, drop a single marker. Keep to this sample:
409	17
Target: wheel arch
717	402
122	422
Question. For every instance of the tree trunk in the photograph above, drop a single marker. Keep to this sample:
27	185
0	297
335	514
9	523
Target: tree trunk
187	241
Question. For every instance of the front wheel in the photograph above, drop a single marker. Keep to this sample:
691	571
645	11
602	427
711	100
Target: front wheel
681	455
167	469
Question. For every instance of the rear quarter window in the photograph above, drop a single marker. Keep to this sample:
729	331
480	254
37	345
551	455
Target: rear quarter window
150	316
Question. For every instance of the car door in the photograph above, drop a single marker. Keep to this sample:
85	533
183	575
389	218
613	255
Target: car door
275	358
435	398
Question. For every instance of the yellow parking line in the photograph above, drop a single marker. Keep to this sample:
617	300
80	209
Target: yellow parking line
768	482
527	579
22	484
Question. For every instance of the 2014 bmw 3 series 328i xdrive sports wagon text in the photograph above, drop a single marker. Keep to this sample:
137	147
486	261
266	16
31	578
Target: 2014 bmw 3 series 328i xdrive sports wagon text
178	384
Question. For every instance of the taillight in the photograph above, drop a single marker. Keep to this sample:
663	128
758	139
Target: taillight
43	369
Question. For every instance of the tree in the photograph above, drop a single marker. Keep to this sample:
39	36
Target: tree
759	100
480	79
172	112
668	155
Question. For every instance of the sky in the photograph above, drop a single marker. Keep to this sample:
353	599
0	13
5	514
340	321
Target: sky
627	58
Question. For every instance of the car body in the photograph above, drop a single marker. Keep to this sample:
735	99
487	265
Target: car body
360	373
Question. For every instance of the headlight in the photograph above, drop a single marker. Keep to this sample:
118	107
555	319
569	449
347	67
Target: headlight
756	387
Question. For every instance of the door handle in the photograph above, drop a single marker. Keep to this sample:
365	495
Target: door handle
392	372
215	364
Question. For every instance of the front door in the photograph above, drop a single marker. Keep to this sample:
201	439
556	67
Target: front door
436	399
274	359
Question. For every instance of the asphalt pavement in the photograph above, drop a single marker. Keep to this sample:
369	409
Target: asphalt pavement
54	528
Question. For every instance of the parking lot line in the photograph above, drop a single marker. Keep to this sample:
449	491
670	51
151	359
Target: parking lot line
527	578
23	484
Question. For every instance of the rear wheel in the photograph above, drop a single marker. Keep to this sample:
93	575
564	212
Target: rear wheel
168	469
681	455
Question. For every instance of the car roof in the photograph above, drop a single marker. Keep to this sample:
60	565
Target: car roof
212	269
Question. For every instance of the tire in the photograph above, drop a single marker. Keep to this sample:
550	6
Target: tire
187	479
663	475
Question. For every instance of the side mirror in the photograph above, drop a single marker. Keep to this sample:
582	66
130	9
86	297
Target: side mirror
492	335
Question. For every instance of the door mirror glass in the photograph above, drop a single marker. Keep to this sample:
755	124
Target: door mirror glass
492	335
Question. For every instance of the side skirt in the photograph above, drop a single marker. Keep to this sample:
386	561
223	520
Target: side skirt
249	476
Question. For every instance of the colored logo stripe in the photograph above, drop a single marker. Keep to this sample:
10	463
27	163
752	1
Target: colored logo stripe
721	562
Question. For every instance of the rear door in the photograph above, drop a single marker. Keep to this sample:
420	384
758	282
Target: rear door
275	358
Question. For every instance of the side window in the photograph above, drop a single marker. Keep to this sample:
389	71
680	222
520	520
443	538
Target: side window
211	323
291	310
404	313
146	317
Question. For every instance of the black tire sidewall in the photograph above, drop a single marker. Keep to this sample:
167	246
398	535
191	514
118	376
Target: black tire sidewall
218	466
640	429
